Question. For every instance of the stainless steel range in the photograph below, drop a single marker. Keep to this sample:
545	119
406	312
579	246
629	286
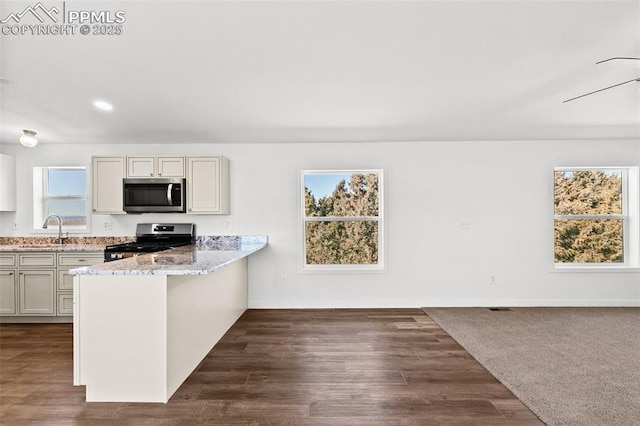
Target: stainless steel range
153	237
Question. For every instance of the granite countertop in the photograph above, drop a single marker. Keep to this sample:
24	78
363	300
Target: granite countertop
51	247
71	244
208	254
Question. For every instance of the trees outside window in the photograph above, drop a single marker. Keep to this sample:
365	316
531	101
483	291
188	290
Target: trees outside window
342	219
591	216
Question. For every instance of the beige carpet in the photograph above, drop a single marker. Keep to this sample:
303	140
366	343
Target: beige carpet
571	366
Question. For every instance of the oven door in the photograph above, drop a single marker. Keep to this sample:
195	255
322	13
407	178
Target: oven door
154	195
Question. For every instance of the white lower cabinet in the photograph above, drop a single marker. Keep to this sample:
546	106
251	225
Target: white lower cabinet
38	284
8	292
68	261
65	304
8	284
37	292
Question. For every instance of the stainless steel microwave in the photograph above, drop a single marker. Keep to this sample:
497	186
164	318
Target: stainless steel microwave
162	195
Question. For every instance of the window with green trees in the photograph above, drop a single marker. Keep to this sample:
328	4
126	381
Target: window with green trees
342	219
591	215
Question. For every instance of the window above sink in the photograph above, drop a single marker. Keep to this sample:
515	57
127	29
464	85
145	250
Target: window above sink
60	191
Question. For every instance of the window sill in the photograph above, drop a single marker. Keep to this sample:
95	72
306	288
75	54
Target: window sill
343	270
596	269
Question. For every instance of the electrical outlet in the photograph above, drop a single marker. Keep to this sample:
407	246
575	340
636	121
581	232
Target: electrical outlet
107	224
492	279
15	226
284	280
465	224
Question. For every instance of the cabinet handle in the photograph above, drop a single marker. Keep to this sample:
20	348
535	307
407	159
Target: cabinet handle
190	210
82	260
150	174
10	273
159	174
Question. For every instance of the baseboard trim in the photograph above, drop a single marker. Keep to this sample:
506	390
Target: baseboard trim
439	303
34	320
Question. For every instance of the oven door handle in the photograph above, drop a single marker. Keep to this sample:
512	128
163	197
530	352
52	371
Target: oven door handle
169	190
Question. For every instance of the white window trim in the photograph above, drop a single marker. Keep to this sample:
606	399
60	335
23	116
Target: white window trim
341	268
630	224
40	200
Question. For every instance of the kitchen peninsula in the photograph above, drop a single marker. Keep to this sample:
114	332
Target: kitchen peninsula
143	324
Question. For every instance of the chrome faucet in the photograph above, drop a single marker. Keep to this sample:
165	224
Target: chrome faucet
44	226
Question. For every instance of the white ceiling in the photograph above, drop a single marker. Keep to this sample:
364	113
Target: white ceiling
316	71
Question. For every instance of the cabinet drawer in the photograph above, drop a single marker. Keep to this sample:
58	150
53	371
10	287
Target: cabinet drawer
66	259
65	280
8	260
40	259
65	304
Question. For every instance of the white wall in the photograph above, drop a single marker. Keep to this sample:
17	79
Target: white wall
503	188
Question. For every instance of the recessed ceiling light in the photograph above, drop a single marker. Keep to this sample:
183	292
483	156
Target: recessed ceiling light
103	105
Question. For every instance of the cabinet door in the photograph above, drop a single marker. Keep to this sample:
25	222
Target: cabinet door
140	167
170	166
65	304
37	292
207	185
8	188
8	292
107	175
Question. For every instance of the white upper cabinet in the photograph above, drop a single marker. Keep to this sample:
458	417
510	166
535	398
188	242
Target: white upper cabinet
170	166
140	167
155	166
107	174
207	185
207	180
7	183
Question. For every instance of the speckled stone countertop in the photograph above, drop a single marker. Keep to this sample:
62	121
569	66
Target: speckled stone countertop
29	244
206	256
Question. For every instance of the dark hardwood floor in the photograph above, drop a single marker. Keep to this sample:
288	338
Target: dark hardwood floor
280	367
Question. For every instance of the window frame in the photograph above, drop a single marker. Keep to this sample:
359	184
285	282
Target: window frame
378	267
629	216
42	198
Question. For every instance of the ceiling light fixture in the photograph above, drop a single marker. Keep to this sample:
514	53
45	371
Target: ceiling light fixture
103	105
28	138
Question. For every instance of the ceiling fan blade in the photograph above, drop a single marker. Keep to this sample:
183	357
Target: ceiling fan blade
618	57
600	90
